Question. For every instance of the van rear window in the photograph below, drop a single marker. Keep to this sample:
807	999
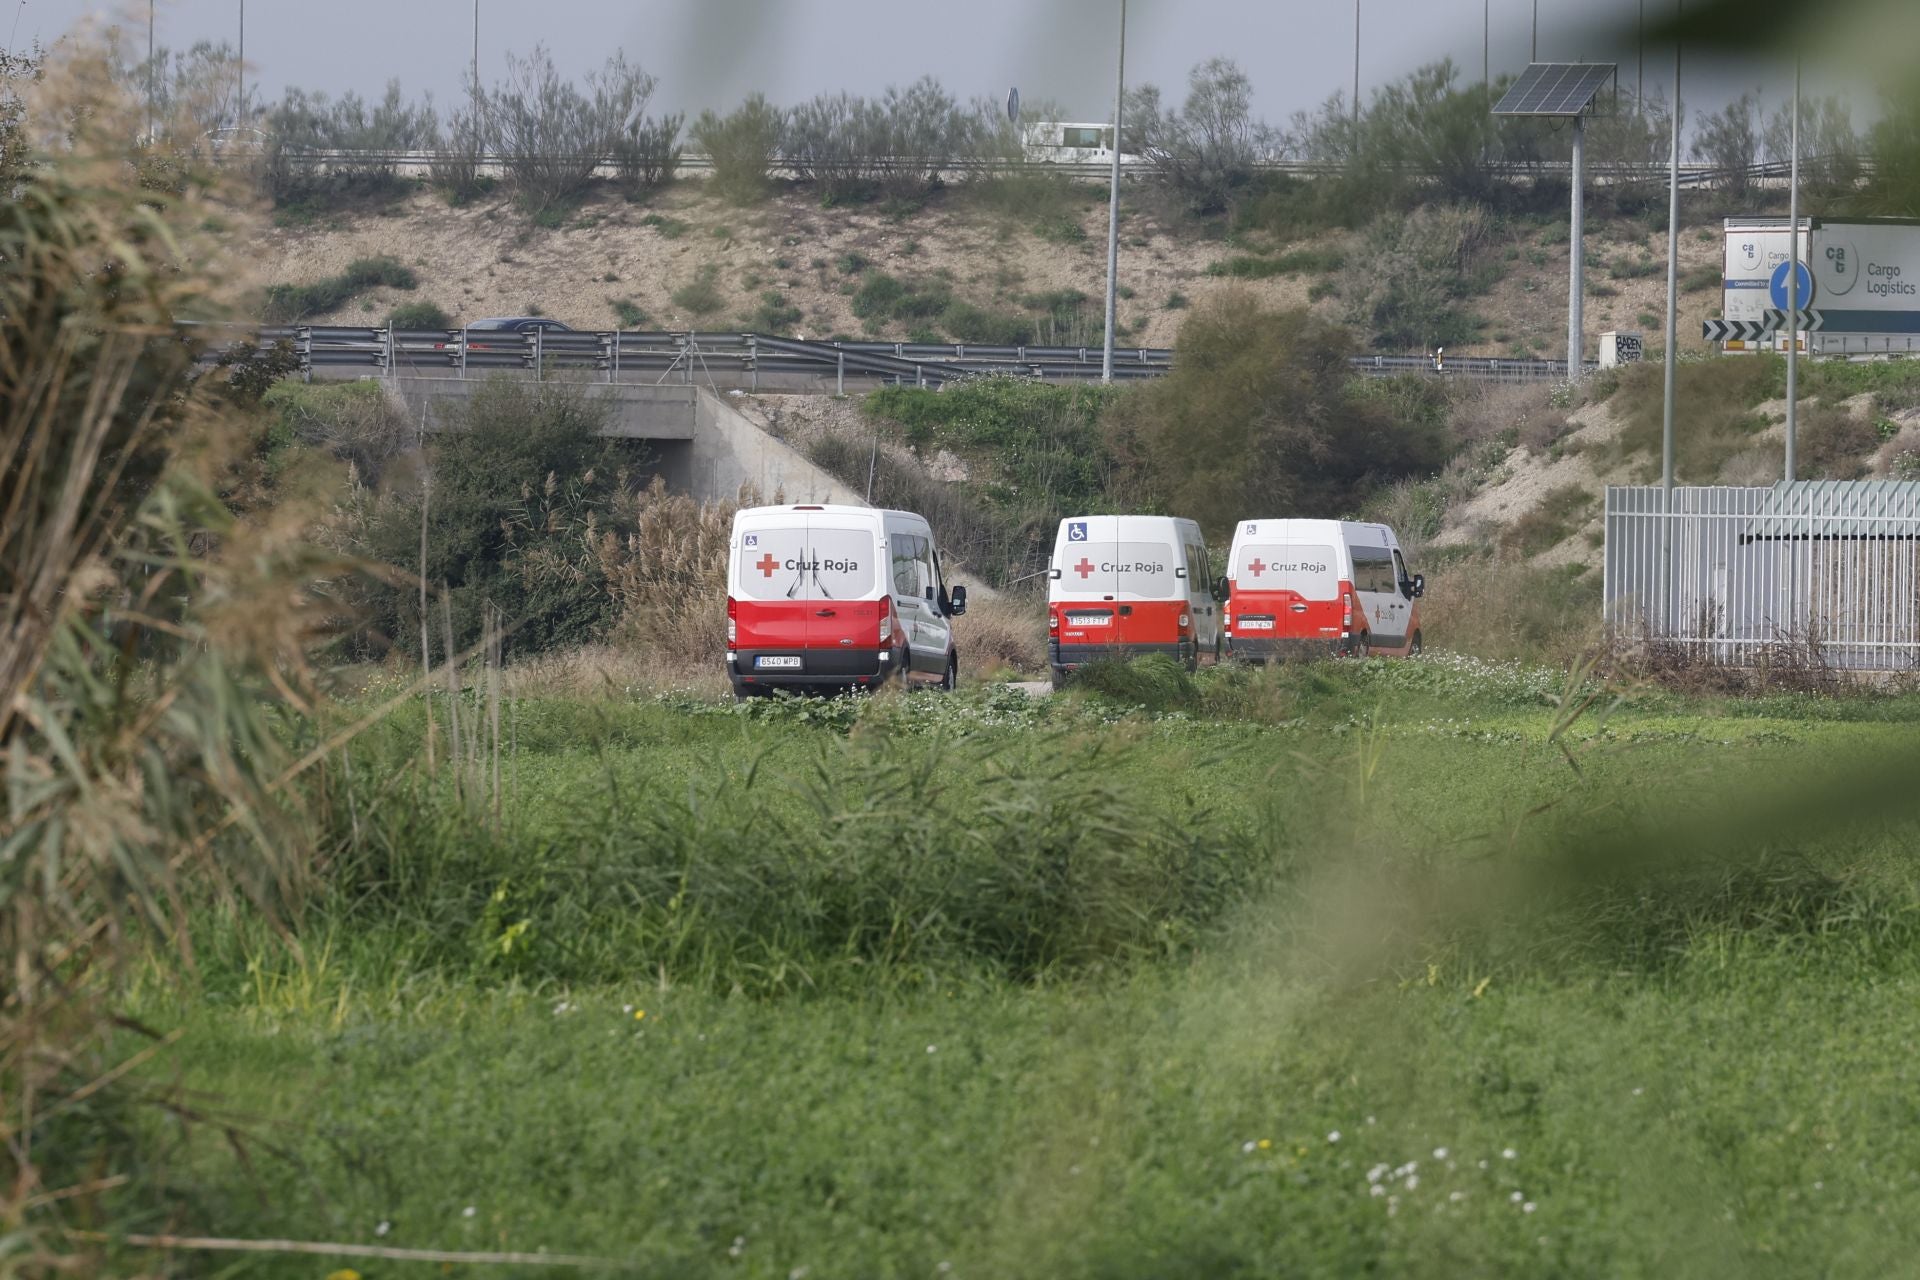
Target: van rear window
1309	570
806	564
1139	570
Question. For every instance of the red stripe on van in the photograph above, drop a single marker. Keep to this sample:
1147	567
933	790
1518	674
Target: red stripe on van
1293	616
1144	622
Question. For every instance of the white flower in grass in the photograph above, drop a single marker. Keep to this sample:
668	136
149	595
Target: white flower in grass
1439	1153
1412	1182
1334	1136
1376	1173
1247	1148
1517	1197
383	1228
1509	1154
1528	1207
468	1212
932	1048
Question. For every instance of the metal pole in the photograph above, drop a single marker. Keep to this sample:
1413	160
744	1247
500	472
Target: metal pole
1640	61
1113	203
476	58
151	72
1576	253
1793	283
241	65
1673	335
1533	50
1356	65
1486	36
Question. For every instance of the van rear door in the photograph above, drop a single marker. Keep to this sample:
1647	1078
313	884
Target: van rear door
1286	591
842	572
1088	584
771	572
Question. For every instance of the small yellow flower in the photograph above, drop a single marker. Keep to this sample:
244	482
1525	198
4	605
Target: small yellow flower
1266	1143
344	1273
639	1014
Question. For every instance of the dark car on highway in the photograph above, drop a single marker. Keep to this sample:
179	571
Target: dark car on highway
516	326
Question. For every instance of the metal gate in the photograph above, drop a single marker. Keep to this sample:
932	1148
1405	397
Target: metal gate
1829	567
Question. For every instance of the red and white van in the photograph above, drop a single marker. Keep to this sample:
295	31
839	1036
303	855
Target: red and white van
837	597
1126	586
1299	587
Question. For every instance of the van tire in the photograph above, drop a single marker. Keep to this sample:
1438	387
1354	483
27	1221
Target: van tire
1415	646
951	680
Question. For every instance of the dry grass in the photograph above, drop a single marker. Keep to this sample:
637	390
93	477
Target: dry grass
1007	633
668	576
1513	610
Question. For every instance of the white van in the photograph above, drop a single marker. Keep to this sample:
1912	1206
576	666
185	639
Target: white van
1320	586
837	597
1126	586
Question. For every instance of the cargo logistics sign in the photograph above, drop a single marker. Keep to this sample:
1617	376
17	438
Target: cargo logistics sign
1862	281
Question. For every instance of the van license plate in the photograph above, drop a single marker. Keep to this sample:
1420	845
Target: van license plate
1089	619
1254	624
777	662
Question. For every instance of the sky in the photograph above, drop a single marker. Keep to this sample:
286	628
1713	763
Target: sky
710	53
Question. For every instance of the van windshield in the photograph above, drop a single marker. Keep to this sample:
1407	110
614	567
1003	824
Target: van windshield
805	564
1136	570
1311	571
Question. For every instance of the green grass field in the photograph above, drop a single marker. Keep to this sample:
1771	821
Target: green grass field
1388	968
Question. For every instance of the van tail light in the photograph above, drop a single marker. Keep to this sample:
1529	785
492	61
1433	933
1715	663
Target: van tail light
1346	606
1185	621
886	618
733	621
1053	619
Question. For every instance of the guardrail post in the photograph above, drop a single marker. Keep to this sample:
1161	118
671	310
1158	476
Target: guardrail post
613	370
303	348
919	374
389	337
753	363
539	356
839	372
463	355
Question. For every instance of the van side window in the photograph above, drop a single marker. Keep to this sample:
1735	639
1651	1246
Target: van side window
1405	583
928	575
1196	567
1373	570
906	564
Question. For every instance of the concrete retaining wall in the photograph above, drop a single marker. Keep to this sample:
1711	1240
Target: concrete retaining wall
731	451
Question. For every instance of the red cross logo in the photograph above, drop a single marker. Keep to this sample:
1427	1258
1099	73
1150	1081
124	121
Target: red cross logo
766	564
1257	568
1084	568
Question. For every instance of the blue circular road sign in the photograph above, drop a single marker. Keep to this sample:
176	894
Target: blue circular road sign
1777	287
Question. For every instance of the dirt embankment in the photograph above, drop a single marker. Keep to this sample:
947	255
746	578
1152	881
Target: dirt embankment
618	263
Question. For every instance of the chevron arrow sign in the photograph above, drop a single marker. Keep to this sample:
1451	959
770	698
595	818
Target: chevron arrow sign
1735	330
1811	320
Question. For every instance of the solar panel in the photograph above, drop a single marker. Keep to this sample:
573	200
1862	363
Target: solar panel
1555	89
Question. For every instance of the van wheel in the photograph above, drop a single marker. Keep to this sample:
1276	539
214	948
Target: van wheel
1413	649
951	679
1363	649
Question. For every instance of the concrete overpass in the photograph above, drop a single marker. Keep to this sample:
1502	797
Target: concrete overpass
695	440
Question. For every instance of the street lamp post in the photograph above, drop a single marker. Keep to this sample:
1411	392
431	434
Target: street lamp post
1113	202
1793	282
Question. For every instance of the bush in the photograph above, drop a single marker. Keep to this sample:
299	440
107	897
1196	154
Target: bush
1260	415
1834	444
742	146
1405	284
1512	610
1552	521
553	135
351	421
775	314
669	228
290	303
517	477
702	294
1301	261
628	314
1718	396
305	125
1206	149
853	148
418	316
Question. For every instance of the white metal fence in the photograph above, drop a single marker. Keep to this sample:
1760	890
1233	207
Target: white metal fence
1736	575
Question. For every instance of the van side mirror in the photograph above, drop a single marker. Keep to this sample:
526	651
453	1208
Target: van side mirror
958	605
1419	585
1221	588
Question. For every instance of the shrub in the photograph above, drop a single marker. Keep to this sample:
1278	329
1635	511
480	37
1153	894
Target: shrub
1552	521
290	303
1406	283
1834	444
628	314
1719	398
1260	414
418	315
964	322
701	295
354	422
1512	609
303	126
853	263
775	314
853	148
669	228
553	135
1300	261
517	477
742	146
1205	149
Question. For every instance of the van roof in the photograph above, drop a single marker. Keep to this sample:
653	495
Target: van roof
1297	528
821	508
